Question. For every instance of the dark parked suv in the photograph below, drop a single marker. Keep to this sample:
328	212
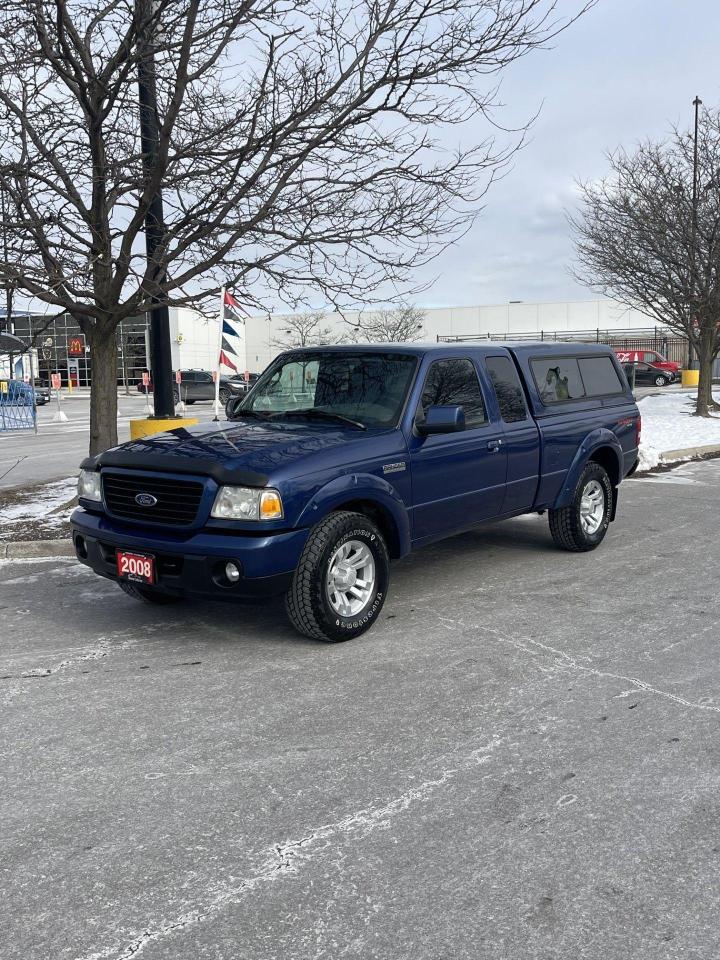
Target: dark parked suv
199	385
343	458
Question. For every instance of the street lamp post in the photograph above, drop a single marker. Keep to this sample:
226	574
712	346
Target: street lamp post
8	286
697	103
161	358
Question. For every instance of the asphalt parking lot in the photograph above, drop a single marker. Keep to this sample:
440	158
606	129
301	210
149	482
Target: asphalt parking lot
520	761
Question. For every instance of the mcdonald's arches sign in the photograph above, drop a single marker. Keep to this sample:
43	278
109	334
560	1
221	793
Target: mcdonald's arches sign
76	345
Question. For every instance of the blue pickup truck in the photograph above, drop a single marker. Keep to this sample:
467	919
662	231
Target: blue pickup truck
343	458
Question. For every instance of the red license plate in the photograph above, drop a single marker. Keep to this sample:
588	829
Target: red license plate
136	566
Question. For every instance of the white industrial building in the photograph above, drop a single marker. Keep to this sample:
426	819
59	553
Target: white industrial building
261	332
195	338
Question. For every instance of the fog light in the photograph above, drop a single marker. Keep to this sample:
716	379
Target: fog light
232	572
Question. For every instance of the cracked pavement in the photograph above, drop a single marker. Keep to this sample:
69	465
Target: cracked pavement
519	761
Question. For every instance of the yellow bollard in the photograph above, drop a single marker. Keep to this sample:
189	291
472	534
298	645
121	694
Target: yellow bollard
690	378
149	425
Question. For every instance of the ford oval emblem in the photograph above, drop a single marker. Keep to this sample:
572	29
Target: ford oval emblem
145	499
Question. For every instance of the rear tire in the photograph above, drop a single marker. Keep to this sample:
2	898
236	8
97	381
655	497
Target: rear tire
341	580
582	525
147	594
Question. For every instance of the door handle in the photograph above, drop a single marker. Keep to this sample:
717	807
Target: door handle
494	445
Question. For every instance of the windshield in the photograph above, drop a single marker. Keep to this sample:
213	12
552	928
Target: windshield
361	389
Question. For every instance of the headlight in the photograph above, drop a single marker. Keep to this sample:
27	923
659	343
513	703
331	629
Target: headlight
89	485
246	503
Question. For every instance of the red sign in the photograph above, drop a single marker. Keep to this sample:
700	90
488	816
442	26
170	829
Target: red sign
136	566
146	379
178	376
214	376
629	356
76	345
246	376
56	381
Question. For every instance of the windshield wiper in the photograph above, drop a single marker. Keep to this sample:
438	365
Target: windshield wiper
249	413
319	414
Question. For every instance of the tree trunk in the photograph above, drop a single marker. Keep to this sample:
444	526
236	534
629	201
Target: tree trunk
706	357
103	395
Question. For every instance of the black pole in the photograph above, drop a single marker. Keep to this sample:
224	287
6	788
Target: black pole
697	103
161	358
8	286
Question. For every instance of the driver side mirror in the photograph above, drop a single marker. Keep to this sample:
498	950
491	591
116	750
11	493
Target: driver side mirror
442	419
232	406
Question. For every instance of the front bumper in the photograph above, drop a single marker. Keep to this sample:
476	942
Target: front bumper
192	566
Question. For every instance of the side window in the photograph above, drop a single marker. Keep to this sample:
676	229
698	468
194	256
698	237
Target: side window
507	387
203	377
599	376
557	379
451	383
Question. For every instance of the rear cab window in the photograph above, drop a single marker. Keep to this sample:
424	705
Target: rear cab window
600	376
558	379
562	379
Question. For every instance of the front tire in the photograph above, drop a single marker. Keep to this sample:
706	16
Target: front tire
146	594
660	381
582	525
224	396
341	581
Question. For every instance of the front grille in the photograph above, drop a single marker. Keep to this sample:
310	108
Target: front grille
177	500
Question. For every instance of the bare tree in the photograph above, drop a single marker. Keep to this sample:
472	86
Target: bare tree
296	148
399	325
642	240
306	330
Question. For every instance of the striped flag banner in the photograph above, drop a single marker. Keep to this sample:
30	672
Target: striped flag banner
232	322
232	309
225	361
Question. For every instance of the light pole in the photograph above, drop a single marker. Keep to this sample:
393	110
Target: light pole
8	286
697	103
161	358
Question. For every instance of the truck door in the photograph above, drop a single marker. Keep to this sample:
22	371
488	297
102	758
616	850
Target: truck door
522	438
458	479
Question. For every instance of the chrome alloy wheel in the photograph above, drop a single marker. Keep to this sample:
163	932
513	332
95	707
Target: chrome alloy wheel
350	581
592	507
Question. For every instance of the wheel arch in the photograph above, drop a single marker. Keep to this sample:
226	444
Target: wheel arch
370	496
382	518
601	447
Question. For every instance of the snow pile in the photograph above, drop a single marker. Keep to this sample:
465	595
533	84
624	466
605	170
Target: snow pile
48	505
668	424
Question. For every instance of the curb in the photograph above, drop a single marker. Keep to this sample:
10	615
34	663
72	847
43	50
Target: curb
690	453
24	549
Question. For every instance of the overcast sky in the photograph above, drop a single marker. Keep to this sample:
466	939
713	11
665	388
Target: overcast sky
627	70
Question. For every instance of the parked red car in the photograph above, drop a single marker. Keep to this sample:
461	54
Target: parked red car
649	356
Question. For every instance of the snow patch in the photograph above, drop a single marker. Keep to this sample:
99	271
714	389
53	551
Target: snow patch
668	424
51	503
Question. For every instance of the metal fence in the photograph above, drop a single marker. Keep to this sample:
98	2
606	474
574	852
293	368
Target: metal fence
669	344
17	406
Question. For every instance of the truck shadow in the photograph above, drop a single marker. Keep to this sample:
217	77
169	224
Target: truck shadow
462	557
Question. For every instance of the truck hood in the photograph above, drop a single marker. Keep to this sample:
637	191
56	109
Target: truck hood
239	452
